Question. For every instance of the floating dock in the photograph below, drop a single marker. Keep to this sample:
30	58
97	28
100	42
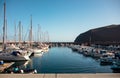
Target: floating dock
5	66
98	75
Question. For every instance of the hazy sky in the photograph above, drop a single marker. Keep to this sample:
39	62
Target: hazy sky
63	19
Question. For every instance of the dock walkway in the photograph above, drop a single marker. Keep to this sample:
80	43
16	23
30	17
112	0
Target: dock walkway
5	66
106	75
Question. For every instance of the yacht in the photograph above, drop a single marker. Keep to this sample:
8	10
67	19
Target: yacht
45	48
12	46
37	50
41	48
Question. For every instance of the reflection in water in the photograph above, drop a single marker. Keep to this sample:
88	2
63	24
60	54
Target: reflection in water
26	64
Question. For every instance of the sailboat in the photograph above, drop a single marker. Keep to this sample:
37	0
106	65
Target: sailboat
17	55
34	49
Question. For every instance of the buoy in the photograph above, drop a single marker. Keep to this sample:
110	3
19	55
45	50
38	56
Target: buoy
1	62
35	71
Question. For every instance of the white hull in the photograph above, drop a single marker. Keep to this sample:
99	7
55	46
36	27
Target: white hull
45	50
38	54
37	51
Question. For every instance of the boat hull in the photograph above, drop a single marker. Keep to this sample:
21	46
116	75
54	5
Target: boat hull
10	57
37	51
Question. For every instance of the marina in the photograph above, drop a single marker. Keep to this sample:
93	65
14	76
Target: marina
63	60
59	39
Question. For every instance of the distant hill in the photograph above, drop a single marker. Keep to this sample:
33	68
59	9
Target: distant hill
103	35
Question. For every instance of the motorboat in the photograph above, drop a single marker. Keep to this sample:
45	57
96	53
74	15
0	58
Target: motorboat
14	56
116	66
106	59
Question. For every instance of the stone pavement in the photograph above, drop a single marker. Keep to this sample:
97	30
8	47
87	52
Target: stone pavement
98	75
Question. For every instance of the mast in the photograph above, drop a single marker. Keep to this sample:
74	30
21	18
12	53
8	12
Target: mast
22	33
38	35
4	26
6	31
43	36
40	39
47	35
15	33
31	32
19	32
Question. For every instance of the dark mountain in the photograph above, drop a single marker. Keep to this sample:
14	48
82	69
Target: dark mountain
103	35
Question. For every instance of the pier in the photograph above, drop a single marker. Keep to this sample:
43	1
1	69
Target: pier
5	66
106	75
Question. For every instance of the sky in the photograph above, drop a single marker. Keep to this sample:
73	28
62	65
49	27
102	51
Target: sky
64	20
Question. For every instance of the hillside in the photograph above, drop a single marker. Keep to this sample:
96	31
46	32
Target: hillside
103	35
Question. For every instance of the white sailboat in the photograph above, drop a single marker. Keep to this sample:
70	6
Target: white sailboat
13	55
35	50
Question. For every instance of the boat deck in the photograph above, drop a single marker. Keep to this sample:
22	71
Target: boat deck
105	75
5	66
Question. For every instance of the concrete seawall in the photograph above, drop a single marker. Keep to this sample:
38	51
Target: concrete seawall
98	75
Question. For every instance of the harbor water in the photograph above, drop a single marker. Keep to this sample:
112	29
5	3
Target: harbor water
63	60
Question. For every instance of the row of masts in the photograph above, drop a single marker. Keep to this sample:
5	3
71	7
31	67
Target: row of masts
20	34
37	36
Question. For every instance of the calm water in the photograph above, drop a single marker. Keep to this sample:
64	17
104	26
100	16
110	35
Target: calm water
63	60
